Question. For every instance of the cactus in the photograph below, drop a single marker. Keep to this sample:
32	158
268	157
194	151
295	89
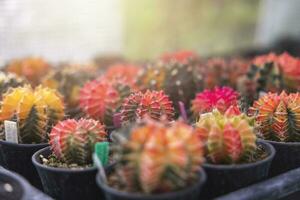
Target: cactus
68	82
288	65
9	80
228	139
127	73
219	97
180	56
100	99
33	69
35	111
222	72
154	104
73	141
158	158
177	80
277	117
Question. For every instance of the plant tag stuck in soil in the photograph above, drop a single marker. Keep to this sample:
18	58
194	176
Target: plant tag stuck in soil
11	131
100	167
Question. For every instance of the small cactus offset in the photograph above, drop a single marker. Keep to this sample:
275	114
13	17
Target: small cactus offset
158	158
35	111
9	80
228	139
32	68
277	117
220	98
100	99
154	104
73	141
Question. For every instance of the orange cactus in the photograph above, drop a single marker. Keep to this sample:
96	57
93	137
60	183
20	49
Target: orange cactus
277	117
33	69
159	152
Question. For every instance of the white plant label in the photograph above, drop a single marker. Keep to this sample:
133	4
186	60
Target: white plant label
11	131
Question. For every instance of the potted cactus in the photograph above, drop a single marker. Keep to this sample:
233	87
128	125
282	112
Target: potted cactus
33	112
66	168
154	104
276	117
233	157
155	161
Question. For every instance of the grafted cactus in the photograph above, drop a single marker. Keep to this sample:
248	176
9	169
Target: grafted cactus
35	111
178	80
73	141
32	68
154	104
157	158
277	117
228	139
101	98
220	98
9	80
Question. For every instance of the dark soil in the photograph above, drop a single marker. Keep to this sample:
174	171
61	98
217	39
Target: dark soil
53	161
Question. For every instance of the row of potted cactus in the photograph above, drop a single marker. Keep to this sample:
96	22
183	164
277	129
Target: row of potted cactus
226	141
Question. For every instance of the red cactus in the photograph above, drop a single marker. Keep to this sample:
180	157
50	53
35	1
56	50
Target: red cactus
73	141
152	103
100	99
220	97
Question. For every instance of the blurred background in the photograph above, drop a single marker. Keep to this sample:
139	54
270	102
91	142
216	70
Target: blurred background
79	30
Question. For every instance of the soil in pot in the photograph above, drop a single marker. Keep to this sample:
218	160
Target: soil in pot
224	178
62	181
17	157
286	158
114	192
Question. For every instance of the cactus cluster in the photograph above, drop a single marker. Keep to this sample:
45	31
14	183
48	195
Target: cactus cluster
222	72
178	80
9	80
73	141
32	68
228	138
277	117
35	111
158	158
220	98
154	104
100	99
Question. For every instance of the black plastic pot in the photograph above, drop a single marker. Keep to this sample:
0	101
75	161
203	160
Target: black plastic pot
286	158
61	183
12	186
222	179
190	193
17	157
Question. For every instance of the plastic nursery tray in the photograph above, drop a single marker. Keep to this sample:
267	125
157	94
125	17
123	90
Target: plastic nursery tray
285	186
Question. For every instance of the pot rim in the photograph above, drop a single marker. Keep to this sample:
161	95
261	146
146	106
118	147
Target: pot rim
38	164
280	143
136	196
269	158
23	145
